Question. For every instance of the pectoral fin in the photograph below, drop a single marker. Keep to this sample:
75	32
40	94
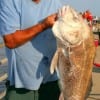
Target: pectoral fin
54	62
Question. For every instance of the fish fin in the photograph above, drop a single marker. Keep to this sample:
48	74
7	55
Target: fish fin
54	62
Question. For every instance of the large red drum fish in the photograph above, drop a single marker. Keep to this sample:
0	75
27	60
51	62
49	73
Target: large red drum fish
74	55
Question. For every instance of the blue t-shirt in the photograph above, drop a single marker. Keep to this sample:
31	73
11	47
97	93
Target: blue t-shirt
28	65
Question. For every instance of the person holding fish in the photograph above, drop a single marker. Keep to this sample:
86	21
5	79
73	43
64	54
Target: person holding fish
25	26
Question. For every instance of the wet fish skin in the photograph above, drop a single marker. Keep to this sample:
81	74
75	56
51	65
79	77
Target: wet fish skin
74	59
75	79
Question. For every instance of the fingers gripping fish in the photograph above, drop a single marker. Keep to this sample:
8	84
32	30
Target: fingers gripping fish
74	55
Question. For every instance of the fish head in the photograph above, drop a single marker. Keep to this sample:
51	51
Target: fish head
70	28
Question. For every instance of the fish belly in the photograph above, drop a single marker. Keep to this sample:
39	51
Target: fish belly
76	70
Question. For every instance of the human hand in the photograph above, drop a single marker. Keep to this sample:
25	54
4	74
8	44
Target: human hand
62	11
50	20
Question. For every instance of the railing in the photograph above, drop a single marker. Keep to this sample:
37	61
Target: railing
5	75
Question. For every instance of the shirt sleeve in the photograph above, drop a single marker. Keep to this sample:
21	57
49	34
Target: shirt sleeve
9	16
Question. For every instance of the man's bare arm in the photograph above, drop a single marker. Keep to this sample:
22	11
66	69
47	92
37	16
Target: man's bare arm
20	37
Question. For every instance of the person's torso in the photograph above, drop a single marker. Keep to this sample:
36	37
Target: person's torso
29	63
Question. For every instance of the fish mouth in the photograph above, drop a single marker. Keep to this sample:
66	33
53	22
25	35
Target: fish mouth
71	38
